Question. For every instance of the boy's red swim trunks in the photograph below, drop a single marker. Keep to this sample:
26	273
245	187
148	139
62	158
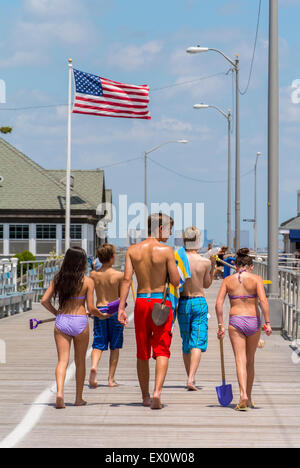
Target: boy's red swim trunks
148	335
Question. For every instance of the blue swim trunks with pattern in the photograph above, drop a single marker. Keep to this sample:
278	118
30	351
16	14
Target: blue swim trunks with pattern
107	332
192	319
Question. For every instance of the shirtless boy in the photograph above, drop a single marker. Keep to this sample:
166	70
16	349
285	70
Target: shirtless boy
193	310
110	331
151	262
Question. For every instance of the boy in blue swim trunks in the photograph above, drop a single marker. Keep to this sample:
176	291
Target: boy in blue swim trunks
109	332
193	310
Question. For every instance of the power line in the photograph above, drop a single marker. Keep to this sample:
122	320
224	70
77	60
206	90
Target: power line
194	178
181	83
254	50
121	162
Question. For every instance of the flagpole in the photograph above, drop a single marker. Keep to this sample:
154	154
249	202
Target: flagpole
68	172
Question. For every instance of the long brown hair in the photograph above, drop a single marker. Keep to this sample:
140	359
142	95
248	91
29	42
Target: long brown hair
243	258
69	280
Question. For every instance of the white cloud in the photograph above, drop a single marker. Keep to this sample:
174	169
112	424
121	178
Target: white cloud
134	57
22	58
45	24
46	8
289	112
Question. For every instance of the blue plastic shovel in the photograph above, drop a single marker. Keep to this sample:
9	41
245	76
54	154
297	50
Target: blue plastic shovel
224	392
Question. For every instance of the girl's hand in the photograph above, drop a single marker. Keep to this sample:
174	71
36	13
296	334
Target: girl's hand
268	330
221	332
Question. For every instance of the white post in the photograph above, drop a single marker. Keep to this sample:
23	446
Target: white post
85	236
59	239
14	262
68	172
32	238
6	239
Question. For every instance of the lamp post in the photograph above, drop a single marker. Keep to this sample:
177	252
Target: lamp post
255	202
235	64
273	151
254	220
228	118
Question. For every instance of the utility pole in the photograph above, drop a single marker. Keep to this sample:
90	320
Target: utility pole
273	151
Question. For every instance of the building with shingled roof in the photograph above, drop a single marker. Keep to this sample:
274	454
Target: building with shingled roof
32	206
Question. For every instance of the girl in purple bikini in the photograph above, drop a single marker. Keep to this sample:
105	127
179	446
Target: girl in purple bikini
73	290
244	289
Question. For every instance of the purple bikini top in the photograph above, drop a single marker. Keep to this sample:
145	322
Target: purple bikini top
79	298
251	296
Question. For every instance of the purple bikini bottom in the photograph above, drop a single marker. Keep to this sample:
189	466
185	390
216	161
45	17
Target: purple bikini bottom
247	325
71	325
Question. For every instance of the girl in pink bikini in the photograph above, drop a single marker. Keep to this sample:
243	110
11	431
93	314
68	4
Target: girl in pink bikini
73	290
244	289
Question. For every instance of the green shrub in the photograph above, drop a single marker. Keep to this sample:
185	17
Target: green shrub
24	257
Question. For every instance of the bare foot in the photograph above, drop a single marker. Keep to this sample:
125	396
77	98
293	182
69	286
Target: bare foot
60	404
192	387
113	383
156	403
93	379
147	401
80	403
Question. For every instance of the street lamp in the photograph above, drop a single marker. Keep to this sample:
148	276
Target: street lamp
146	169
254	220
255	201
228	118
235	64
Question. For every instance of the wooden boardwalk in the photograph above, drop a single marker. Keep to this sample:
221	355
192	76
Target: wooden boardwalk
114	418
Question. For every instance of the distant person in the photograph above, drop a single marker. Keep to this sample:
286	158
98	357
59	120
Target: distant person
107	333
193	310
152	263
227	270
219	271
73	290
244	289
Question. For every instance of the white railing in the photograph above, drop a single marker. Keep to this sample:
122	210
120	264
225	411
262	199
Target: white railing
289	293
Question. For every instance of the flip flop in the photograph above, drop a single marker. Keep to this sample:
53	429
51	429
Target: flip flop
241	407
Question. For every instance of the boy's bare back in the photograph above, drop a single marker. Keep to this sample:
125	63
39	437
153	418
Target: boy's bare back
107	285
150	262
200	275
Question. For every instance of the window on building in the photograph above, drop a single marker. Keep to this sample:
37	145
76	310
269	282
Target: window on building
75	231
1	231
19	231
45	231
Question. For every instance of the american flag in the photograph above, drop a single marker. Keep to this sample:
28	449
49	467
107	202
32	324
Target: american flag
100	96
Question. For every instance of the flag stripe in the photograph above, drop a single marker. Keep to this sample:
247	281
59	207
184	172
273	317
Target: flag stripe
109	109
129	92
107	81
100	96
109	102
112	115
112	98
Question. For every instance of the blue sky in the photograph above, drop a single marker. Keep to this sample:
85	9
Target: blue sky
142	43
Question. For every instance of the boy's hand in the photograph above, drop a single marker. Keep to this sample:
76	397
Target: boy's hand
123	317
